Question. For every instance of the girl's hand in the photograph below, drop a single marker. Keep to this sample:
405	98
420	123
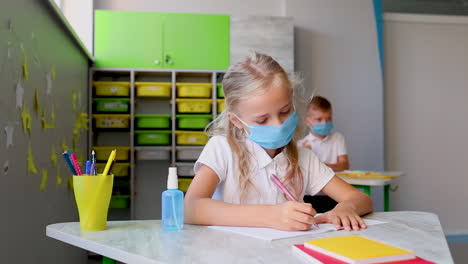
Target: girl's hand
292	216
343	217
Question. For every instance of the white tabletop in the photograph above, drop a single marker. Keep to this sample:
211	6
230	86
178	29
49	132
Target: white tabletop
144	242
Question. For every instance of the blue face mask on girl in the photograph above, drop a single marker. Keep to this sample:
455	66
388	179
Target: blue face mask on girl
273	137
323	129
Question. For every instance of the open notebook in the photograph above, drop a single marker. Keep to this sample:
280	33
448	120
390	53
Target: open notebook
273	234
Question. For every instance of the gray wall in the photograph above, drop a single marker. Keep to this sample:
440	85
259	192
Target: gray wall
26	210
336	52
271	35
426	129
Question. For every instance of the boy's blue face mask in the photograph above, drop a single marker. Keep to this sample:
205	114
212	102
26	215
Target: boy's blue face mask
273	137
323	129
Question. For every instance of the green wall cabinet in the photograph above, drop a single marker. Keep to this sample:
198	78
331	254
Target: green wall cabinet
128	39
161	40
193	41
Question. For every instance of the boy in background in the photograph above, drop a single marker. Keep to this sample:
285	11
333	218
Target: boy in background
329	146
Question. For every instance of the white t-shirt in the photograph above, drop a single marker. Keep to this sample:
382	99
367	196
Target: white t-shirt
218	155
327	149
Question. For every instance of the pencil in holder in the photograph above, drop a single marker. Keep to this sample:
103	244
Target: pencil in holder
92	195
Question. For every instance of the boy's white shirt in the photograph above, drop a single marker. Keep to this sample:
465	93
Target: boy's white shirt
218	155
327	149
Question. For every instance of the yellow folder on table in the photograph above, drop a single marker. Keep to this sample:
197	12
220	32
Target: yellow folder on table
358	249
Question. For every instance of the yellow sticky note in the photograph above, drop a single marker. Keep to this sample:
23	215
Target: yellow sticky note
74	99
64	144
37	106
45	175
25	67
75	139
53	72
31	166
53	155
44	122
84	121
58	178
81	124
52	114
26	119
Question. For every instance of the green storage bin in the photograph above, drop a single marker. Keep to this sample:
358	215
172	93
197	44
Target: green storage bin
119	201
153	121
111	104
153	137
193	121
220	90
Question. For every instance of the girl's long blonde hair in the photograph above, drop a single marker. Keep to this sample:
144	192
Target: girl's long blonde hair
248	76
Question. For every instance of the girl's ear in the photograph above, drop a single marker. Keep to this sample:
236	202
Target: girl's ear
233	119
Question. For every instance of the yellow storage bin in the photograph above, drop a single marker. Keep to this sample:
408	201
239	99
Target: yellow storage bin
112	88
194	105
184	184
153	89
199	90
103	152
119	169
111	121
221	105
191	138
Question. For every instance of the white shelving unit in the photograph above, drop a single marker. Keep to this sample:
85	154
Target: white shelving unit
133	75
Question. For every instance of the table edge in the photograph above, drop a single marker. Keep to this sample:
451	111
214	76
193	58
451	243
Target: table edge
110	252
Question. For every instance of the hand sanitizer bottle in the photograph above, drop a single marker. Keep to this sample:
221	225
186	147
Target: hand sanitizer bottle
172	203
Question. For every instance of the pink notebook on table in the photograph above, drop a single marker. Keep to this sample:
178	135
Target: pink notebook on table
316	257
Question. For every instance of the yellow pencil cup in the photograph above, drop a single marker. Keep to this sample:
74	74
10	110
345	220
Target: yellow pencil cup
92	195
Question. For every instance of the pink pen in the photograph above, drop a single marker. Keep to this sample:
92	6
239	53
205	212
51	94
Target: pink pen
75	164
284	190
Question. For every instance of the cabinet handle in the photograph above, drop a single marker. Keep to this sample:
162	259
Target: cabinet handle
156	62
168	60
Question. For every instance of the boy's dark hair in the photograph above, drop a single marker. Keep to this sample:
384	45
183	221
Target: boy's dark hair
320	103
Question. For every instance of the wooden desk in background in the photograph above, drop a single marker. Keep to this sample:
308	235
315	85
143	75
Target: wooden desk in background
366	184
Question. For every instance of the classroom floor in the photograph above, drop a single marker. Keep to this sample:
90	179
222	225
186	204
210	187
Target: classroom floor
459	251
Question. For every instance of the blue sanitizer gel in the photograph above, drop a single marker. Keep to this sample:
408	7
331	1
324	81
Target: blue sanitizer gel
172	203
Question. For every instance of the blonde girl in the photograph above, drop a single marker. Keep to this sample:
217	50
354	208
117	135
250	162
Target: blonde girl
253	138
